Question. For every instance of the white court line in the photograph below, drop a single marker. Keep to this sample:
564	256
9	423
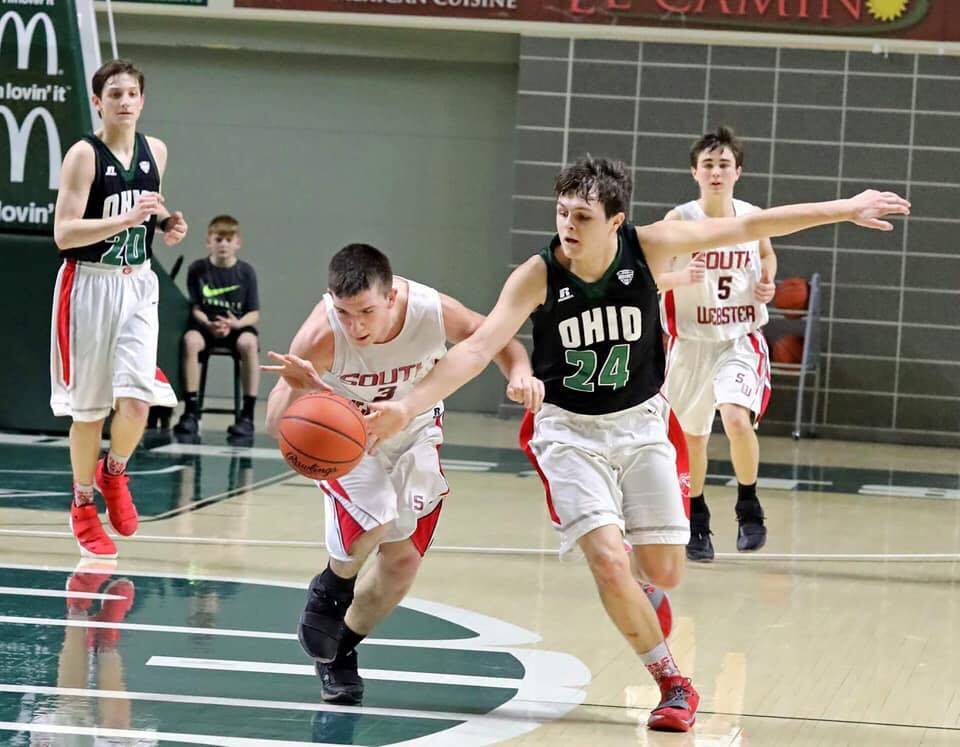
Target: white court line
170	538
16	493
177	449
154	736
24	592
59	621
161	471
307	670
256	452
459	644
237	702
912	491
945	557
467	550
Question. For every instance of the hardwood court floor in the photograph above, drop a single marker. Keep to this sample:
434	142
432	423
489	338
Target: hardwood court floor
842	631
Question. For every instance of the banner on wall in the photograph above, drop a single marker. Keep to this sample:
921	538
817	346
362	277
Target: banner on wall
906	19
44	104
195	3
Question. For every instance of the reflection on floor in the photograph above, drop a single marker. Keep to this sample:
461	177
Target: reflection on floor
841	631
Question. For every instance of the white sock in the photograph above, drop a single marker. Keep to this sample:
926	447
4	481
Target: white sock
659	662
116	464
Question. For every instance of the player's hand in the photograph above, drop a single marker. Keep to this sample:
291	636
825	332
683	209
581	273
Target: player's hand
696	270
765	288
176	229
297	372
867	208
526	390
148	203
385	419
230	321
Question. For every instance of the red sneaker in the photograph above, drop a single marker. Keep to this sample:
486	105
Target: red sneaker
88	531
81	586
114	610
120	508
678	706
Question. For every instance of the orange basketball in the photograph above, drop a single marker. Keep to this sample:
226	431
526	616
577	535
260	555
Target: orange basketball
792	293
322	436
787	349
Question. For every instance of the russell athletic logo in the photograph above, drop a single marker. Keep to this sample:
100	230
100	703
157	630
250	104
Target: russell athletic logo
19	135
25	33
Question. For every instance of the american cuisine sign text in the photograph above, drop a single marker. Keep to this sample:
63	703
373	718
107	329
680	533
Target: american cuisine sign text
909	19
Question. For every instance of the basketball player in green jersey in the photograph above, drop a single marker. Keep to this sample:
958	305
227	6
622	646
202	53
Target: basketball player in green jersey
602	440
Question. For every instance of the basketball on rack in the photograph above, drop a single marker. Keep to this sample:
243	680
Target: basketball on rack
322	436
787	349
792	294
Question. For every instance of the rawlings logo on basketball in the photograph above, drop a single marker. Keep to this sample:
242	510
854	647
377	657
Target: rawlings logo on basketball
309	469
322	436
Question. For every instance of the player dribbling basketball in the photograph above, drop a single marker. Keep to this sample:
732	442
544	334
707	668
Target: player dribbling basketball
371	338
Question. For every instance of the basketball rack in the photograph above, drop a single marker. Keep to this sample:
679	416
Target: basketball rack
807	372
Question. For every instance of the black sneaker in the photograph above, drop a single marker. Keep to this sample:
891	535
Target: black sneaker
188	425
320	625
752	534
341	683
700	547
243	428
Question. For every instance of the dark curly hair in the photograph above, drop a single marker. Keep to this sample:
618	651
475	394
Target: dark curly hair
600	179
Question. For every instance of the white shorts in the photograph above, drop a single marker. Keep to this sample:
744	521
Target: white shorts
702	375
402	486
627	468
103	340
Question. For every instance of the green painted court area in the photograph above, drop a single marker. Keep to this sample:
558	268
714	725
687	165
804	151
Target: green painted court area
35	473
219	659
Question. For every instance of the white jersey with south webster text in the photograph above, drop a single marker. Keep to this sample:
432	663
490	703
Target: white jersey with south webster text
721	306
389	370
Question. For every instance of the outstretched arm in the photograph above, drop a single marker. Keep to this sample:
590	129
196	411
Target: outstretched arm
512	360
311	353
667	278
669	238
524	290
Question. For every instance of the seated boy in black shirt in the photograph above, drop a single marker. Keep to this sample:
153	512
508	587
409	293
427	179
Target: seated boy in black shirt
223	291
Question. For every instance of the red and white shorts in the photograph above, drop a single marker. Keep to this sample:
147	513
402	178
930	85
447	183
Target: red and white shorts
401	486
626	468
702	375
103	340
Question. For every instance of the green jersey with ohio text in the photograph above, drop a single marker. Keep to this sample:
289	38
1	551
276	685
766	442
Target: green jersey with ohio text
114	191
598	347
